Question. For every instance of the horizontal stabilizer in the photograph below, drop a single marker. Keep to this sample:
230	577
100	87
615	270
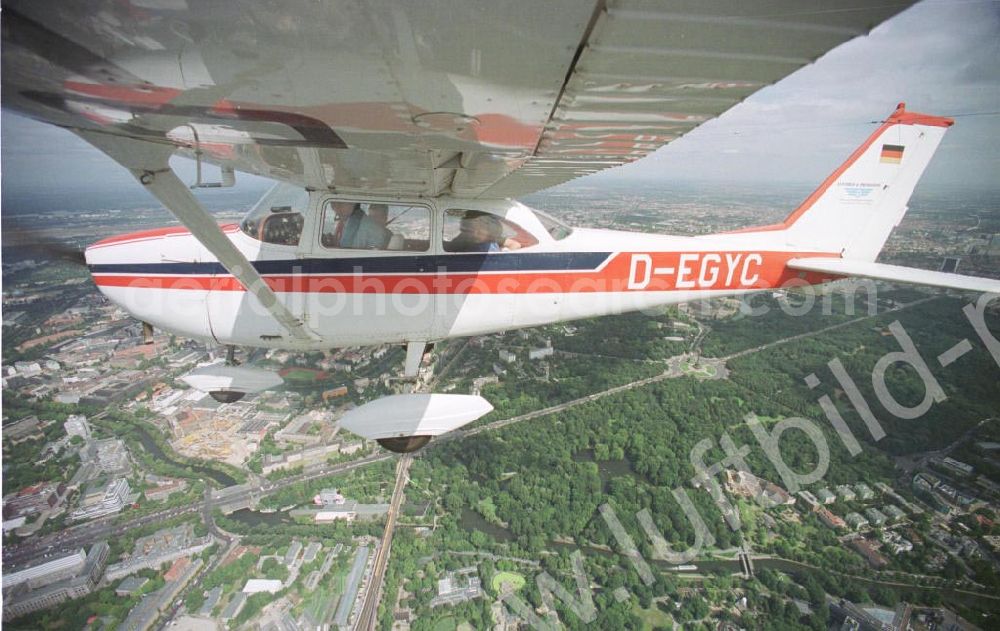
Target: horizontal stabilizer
895	273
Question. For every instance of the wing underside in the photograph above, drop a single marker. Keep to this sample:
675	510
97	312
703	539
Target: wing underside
453	97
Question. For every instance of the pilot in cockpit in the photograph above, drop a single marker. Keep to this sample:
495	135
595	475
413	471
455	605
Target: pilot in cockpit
354	229
480	232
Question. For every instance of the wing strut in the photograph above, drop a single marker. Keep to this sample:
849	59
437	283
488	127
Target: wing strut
149	163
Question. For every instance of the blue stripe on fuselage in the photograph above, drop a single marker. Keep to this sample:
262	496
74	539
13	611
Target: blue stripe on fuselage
401	264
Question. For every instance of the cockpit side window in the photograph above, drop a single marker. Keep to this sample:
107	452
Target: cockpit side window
478	231
375	226
278	217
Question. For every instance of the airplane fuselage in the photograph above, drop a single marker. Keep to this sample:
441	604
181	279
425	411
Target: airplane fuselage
360	297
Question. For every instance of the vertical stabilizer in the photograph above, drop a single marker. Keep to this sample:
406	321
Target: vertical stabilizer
855	209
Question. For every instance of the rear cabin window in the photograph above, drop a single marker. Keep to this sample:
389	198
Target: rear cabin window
478	231
375	226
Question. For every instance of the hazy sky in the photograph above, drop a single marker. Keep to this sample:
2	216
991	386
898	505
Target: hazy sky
940	56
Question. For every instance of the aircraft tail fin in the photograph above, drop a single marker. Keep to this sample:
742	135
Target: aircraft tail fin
855	209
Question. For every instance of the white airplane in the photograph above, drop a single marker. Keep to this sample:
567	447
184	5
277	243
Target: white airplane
401	131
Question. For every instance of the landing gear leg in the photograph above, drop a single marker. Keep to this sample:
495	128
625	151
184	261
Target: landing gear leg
231	356
414	354
147	333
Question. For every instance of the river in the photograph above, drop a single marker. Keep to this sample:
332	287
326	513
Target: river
154	450
471	520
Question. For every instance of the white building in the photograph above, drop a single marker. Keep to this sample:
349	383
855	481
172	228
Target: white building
328	497
540	353
894	512
326	516
115	497
846	493
46	573
51	583
77	425
28	369
257	585
855	520
875	516
957	465
458	586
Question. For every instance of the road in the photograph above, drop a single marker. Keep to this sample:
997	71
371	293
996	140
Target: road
85	534
368	618
669	374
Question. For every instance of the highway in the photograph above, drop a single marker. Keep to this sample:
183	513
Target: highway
87	533
368	618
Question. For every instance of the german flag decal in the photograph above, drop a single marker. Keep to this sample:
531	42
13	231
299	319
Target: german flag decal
893	154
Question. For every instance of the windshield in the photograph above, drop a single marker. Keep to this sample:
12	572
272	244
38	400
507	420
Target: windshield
557	229
278	217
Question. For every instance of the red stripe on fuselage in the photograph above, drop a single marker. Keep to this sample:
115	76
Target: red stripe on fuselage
691	271
155	233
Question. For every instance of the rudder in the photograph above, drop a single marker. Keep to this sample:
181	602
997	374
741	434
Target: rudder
855	209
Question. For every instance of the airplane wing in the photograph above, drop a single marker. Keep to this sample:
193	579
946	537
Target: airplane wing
458	97
895	273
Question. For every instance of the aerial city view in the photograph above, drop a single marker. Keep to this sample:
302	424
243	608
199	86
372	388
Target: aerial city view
354	316
133	501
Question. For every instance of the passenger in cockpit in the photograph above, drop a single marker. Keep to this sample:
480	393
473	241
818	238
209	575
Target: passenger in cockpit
379	213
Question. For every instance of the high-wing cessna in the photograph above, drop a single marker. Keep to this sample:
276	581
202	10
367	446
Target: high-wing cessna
401	131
